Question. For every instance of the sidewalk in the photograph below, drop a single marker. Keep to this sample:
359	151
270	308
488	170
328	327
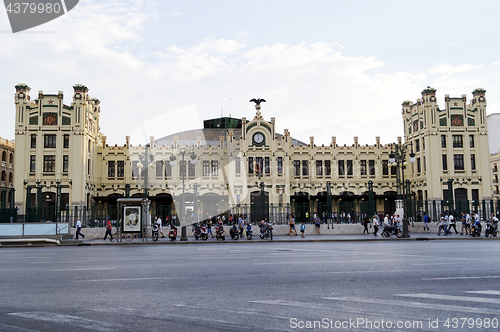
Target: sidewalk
285	239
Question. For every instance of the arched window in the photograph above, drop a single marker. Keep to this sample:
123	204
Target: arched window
10	177
11	158
4	156
3	175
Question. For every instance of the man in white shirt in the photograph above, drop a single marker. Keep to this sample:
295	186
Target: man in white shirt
78	229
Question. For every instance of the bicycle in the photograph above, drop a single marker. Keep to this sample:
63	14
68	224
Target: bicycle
125	236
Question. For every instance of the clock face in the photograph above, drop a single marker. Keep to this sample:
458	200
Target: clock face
258	138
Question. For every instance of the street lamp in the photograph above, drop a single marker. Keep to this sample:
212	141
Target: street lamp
149	159
182	152
397	158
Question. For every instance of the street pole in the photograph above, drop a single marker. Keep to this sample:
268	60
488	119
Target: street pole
184	231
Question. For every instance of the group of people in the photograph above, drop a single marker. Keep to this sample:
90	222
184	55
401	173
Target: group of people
380	220
447	222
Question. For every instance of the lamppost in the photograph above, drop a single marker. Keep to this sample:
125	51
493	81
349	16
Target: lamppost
147	159
397	158
182	172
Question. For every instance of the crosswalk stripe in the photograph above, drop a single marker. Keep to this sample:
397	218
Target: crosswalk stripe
458	278
452	298
487	292
431	306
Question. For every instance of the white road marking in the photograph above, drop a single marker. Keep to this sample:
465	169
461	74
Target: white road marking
30	257
487	292
89	269
232	311
428	306
131	279
426	264
458	278
452	298
67	320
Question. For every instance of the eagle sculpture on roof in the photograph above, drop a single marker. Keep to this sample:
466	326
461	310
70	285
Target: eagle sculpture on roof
257	101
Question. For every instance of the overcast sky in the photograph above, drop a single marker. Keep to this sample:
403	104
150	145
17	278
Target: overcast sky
326	67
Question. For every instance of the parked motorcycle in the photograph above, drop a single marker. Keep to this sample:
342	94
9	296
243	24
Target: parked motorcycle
476	228
219	233
248	230
200	232
491	228
173	233
155	231
266	230
234	232
392	230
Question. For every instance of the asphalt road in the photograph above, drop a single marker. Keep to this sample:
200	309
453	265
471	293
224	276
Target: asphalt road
342	286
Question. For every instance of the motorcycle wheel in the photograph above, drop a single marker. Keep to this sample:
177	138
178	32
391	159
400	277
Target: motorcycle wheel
494	234
155	236
399	235
172	238
196	237
223	238
486	234
271	235
249	236
261	236
204	237
236	237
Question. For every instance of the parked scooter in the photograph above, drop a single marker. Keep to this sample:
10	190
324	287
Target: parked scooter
219	232
234	232
200	232
248	230
491	228
392	230
266	230
155	231
173	233
476	229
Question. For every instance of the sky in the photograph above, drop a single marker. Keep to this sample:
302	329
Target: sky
325	67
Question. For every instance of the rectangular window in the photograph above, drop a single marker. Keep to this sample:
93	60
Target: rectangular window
65	163
458	162
120	169
280	165
341	168
394	170
250	165
475	195
33	141
168	169
458	141
49	164
349	167
267	167
319	168
191	169
66	141
362	167
385	167
443	141
159	168
473	162
445	162
111	169
215	168
259	163
328	168
296	168
417	145
371	167
49	141
423	144
305	167
182	168
88	166
418	166
471	140
425	167
237	165
135	169
206	168
32	163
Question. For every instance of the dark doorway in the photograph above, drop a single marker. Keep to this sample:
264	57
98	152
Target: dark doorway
259	206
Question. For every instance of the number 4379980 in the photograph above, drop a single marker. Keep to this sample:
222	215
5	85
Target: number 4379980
30	7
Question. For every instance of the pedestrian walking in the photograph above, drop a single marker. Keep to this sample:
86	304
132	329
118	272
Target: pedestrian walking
292	230
108	231
317	222
209	226
78	229
453	223
364	223
375	224
302	229
241	224
158	221
426	223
